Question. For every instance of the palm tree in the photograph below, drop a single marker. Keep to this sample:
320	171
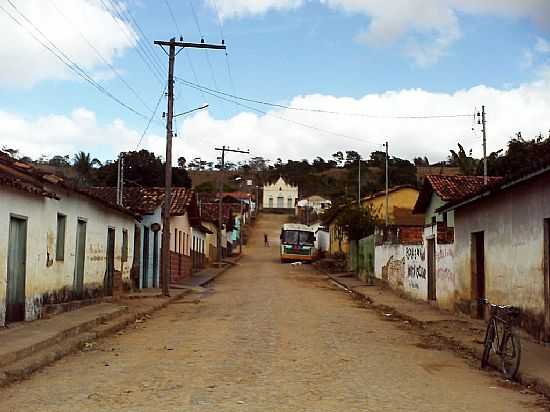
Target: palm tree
84	164
468	165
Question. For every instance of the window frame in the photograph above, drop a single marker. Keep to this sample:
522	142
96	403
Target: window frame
60	241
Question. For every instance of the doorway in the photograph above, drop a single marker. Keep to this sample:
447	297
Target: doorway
546	337
155	259
145	272
110	269
17	257
80	256
478	274
431	270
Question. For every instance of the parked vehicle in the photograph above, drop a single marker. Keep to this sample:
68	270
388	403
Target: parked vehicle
297	243
501	339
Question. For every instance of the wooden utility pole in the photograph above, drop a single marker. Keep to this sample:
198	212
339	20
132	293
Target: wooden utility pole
387	186
223	149
484	145
359	182
165	255
120	180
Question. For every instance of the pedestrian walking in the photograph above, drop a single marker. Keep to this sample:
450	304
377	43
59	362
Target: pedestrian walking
266	240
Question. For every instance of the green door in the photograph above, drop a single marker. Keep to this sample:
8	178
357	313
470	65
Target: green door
17	256
80	256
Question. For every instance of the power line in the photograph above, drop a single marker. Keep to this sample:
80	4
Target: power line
207	54
313	110
308	126
140	50
173	17
151	118
101	57
63	58
228	66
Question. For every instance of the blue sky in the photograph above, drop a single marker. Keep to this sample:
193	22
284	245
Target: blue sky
338	55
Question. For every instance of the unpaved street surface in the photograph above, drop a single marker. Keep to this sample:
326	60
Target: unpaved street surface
265	337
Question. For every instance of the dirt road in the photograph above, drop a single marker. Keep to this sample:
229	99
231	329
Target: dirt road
265	337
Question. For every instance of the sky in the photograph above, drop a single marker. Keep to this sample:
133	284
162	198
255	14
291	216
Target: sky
85	75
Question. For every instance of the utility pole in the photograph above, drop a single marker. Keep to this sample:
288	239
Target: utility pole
387	185
120	180
223	149
483	123
165	255
359	183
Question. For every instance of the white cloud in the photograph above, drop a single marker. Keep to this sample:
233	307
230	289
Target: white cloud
415	21
242	8
25	62
524	108
61	134
542	46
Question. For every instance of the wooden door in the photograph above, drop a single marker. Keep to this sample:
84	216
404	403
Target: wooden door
17	257
110	259
155	259
145	272
431	270
478	274
80	257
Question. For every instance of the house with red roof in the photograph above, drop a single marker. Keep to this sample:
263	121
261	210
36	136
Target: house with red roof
502	247
433	276
58	243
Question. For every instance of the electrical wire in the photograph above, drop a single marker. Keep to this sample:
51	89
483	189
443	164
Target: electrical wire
123	23
313	110
305	125
101	57
63	58
173	16
207	54
151	118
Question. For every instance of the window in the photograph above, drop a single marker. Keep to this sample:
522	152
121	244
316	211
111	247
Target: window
434	220
181	246
60	240
445	218
124	245
290	203
270	203
175	240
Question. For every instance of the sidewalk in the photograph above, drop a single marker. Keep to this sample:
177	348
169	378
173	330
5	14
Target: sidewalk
462	333
29	346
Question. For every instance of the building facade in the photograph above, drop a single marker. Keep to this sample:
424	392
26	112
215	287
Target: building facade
280	196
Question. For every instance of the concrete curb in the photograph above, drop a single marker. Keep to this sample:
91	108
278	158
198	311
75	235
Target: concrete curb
533	382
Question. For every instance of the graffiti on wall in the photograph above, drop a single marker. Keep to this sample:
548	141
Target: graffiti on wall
444	267
416	268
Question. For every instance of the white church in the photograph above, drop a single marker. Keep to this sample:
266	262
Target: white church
280	196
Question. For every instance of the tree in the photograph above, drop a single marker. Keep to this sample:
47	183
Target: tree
182	162
357	222
59	161
468	165
338	158
419	161
84	165
351	158
141	168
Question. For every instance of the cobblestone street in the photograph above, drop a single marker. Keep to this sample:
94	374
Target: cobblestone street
265	337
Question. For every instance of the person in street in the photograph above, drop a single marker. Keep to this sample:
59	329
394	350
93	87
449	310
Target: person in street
266	240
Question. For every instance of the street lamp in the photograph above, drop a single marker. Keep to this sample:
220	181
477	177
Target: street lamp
204	106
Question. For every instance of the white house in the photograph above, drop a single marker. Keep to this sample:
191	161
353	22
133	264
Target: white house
280	196
57	243
317	203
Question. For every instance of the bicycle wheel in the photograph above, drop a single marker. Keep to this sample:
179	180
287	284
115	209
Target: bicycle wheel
510	355
488	344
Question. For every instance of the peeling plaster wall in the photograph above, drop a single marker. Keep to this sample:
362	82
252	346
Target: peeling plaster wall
49	280
513	226
403	267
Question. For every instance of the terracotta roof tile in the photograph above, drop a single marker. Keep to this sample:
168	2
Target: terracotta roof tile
450	188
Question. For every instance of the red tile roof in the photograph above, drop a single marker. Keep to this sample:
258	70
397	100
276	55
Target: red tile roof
450	188
31	179
145	200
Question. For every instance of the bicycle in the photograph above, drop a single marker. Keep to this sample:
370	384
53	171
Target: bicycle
501	338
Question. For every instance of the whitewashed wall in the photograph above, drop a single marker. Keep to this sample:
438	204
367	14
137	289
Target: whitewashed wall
279	189
403	267
44	274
